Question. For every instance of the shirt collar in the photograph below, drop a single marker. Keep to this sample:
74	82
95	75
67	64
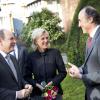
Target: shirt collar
3	54
15	52
94	31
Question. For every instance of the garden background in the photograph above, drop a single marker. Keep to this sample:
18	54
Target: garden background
72	43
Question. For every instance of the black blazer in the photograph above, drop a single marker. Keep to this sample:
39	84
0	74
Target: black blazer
8	84
47	66
22	57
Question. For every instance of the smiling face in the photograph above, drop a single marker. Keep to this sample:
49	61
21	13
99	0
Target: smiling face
8	42
42	42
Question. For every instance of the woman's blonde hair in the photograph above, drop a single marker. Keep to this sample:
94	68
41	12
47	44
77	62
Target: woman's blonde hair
35	34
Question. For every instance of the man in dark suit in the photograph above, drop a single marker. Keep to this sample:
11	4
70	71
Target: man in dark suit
89	72
22	57
12	85
21	54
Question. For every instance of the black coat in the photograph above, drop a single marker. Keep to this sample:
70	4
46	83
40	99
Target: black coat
47	66
22	57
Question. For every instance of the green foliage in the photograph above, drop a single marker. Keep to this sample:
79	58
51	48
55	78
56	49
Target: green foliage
73	89
44	19
60	43
74	46
76	42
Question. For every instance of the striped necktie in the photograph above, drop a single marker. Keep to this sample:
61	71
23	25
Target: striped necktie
11	65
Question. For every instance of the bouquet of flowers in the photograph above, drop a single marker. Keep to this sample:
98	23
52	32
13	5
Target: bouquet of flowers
50	92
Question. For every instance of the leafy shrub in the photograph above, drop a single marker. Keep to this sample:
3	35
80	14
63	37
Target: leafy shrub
44	19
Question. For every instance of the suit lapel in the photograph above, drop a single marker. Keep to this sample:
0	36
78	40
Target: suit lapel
7	67
93	44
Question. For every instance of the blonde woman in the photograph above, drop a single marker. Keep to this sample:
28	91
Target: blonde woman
45	64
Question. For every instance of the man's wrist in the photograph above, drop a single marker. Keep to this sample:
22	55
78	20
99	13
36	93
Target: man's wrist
19	95
80	76
16	95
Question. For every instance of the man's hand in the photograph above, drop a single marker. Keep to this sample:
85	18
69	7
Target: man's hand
22	94
74	71
29	87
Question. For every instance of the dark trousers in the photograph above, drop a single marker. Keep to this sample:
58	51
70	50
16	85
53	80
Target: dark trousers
59	97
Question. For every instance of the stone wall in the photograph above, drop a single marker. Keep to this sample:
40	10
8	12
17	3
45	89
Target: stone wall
68	10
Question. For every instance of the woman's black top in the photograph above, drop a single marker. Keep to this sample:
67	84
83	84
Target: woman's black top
47	66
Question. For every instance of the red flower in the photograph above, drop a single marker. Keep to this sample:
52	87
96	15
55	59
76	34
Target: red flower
50	93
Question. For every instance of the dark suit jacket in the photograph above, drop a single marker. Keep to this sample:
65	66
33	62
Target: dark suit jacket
91	69
8	84
47	66
22	57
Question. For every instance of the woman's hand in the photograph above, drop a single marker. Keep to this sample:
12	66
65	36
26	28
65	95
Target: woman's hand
49	84
39	86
